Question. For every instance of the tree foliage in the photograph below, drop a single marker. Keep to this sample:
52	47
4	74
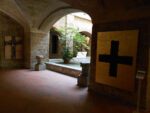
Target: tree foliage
69	34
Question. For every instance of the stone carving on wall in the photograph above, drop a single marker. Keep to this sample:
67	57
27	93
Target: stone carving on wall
13	48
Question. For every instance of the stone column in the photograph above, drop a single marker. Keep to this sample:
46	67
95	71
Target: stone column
69	23
83	79
39	45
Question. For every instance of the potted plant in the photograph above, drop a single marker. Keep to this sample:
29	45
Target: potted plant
66	55
69	36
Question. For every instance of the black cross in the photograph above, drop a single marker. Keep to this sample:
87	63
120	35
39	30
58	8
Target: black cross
114	59
13	44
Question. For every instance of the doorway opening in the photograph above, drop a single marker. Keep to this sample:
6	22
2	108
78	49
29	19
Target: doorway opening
81	23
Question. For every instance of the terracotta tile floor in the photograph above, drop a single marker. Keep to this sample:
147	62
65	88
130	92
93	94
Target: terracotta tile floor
25	91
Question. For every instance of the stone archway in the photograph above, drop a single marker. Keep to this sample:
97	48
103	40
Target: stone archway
49	21
43	33
55	52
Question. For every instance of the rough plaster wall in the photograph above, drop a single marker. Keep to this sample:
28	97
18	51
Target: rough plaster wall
60	23
83	24
39	46
70	20
9	27
75	21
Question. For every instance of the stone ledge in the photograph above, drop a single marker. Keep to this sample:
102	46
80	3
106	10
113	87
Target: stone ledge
63	69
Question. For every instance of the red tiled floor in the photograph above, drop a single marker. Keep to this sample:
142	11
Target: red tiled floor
24	91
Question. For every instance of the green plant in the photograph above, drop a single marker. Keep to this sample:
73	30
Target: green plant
66	54
68	36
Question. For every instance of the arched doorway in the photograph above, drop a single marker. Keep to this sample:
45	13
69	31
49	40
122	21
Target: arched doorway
79	21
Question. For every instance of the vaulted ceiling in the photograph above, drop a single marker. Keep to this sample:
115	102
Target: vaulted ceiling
38	10
41	13
31	12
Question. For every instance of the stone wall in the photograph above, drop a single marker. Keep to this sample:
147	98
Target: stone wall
142	58
60	22
9	27
83	24
39	45
71	20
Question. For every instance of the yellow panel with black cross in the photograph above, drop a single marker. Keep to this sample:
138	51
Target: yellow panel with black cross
116	58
